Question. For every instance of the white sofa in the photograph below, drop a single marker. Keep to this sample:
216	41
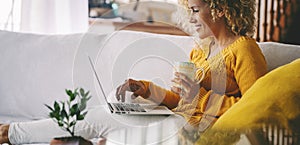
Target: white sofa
36	69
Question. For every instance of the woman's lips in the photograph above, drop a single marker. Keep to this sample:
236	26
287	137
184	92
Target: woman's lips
198	25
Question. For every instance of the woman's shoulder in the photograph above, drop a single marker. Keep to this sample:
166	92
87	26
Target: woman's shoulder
197	51
244	45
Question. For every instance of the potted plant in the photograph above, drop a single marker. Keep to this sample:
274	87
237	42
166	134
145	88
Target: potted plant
67	113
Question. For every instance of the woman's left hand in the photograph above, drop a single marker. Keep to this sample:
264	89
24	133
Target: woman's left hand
189	88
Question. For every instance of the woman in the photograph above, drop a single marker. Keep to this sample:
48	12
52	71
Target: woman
231	59
231	50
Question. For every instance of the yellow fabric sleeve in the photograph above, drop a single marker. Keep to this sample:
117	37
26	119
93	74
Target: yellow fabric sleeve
161	96
249	64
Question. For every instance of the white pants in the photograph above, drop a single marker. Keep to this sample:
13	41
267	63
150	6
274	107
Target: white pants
101	123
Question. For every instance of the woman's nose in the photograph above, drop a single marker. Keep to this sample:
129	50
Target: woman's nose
192	19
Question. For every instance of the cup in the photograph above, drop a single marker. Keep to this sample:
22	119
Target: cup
189	69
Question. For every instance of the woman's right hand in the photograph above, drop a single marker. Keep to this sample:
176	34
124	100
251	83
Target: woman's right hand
189	88
137	87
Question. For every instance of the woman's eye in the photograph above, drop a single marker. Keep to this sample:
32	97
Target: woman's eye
194	10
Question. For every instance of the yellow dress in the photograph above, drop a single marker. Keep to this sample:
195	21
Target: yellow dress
228	75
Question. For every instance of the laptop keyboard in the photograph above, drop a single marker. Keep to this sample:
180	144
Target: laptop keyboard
124	107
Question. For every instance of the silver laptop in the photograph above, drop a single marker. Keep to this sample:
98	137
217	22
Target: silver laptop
131	108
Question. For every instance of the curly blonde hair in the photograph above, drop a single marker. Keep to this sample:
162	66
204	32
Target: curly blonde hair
239	14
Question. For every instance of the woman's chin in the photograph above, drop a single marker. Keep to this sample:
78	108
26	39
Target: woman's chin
202	36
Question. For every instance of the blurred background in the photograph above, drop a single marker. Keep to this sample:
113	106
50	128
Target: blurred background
277	20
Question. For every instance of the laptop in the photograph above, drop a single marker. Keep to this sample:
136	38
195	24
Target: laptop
131	108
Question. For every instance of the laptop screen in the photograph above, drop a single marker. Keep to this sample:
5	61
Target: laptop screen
97	77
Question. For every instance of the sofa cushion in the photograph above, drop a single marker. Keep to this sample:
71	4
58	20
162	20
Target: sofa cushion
278	54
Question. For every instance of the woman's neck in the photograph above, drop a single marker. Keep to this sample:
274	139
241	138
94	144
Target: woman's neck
222	35
221	42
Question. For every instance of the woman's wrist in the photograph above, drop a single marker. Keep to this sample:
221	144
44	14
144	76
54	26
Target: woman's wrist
147	93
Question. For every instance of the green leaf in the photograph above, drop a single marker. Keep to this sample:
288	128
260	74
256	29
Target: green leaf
49	107
56	115
83	100
83	103
60	124
81	92
64	114
70	94
86	94
74	109
76	92
80	117
88	98
51	115
82	106
56	106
